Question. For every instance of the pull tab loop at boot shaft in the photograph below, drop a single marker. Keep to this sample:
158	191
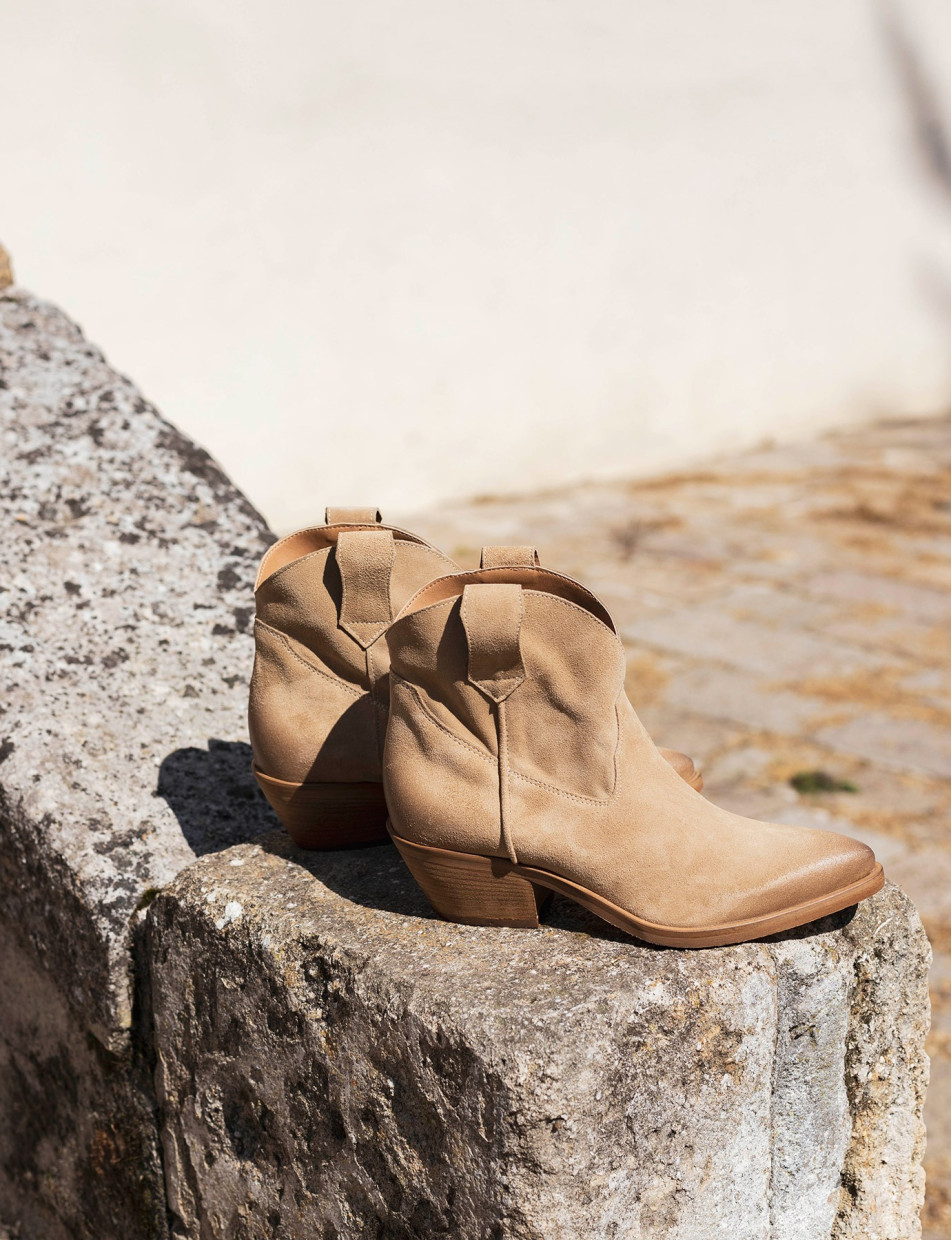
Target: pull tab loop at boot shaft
492	616
365	561
521	556
352	516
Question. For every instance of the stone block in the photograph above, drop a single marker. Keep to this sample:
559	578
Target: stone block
127	568
334	1062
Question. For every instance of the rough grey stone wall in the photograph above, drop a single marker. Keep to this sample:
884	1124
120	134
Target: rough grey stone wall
127	567
208	1037
334	1062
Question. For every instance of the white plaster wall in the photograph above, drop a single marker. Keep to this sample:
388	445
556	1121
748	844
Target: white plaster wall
394	252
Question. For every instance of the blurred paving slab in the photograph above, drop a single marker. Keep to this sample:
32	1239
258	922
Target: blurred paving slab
787	610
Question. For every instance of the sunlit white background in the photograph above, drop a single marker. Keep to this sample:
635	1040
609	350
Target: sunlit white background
390	253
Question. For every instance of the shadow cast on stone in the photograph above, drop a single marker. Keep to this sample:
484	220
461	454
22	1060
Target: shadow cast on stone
376	878
214	796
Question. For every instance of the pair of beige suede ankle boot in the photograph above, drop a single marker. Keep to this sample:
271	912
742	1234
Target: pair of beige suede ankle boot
480	719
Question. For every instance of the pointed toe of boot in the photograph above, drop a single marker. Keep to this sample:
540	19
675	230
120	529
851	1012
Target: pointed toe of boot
833	867
770	878
818	873
851	861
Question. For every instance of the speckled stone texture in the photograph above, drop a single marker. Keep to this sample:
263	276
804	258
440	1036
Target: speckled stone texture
125	598
334	1062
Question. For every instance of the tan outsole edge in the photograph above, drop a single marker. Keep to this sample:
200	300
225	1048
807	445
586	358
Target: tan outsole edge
423	860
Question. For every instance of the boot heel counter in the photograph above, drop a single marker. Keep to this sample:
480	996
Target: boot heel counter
438	787
306	724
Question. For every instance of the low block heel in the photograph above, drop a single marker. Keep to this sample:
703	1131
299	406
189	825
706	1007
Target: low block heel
476	891
320	816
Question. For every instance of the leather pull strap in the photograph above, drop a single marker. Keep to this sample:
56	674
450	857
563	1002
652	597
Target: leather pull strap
365	559
492	616
509	557
353	516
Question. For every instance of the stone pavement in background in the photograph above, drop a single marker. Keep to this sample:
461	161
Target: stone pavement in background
787	612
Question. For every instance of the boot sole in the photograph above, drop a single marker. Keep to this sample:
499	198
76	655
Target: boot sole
493	891
325	815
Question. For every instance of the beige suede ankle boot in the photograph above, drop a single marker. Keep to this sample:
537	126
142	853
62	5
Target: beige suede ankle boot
318	702
319	689
515	766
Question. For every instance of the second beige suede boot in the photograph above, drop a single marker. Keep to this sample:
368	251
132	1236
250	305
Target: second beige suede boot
320	688
515	766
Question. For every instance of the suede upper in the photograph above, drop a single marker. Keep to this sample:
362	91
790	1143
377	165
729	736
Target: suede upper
319	688
510	734
324	597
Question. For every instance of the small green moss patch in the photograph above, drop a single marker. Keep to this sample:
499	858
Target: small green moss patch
820	781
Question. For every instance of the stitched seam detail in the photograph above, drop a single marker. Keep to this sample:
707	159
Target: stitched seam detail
373	679
570	796
318	671
576	796
504	771
527	779
499	680
300	559
375	630
449	602
431	718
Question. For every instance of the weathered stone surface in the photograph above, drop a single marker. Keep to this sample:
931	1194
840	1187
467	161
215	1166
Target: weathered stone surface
79	1143
332	1061
129	561
125	590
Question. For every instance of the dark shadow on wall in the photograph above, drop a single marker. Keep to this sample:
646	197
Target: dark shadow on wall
929	127
925	108
214	796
